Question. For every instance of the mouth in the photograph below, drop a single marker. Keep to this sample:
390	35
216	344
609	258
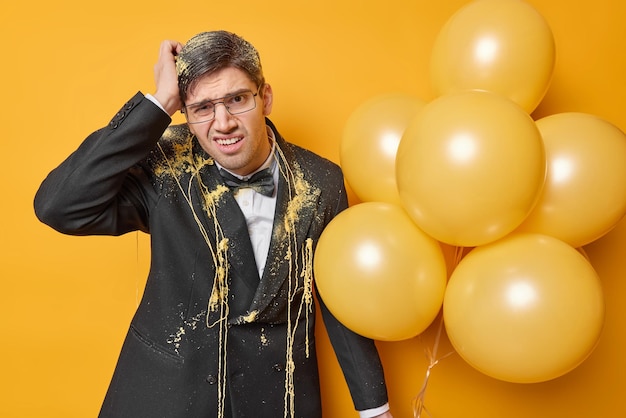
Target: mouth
224	142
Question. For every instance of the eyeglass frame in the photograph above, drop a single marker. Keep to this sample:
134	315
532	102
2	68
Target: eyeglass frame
220	100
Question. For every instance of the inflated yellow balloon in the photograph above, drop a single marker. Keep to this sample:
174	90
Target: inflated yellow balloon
585	192
370	143
470	167
378	273
526	309
503	46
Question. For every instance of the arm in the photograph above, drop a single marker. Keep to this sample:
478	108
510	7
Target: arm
96	190
357	355
359	361
93	191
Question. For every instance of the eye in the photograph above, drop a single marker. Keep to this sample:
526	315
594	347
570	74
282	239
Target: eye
238	98
202	108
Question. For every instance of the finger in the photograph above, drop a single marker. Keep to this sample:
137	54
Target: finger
169	48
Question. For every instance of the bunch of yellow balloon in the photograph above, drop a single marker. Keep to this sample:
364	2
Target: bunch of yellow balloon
472	169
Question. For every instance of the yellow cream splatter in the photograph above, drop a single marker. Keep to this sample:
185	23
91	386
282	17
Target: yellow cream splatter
301	196
264	340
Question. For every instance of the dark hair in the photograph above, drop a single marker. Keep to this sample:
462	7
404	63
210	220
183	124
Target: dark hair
208	52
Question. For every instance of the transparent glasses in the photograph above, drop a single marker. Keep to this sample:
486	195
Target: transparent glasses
236	103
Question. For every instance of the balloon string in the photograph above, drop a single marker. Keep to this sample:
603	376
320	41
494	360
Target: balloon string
419	405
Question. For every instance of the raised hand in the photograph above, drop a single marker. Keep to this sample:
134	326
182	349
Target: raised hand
166	78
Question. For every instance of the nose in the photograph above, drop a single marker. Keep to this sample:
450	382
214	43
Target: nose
223	119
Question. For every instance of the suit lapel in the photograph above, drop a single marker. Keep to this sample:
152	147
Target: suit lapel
228	222
295	209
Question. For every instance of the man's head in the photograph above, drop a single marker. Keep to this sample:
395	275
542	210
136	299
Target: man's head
209	52
225	99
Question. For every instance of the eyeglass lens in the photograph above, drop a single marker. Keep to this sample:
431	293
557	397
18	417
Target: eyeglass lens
234	104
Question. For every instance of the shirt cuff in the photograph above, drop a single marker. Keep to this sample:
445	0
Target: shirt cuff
155	101
369	413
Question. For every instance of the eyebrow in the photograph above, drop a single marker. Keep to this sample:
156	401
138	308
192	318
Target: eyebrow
203	102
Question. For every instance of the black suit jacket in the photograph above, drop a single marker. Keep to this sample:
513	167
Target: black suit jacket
210	337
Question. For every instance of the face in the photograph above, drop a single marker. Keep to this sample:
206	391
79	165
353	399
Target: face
237	142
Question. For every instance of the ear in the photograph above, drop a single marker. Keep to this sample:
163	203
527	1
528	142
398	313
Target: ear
268	99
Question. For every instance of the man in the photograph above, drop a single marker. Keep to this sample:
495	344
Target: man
225	326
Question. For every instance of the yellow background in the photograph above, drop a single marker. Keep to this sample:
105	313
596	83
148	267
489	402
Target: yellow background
68	65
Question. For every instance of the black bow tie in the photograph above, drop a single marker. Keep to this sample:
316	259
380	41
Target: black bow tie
261	182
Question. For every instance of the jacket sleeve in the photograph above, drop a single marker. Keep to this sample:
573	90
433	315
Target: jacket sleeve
357	355
359	361
98	190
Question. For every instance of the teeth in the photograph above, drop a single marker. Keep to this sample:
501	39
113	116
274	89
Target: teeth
227	141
